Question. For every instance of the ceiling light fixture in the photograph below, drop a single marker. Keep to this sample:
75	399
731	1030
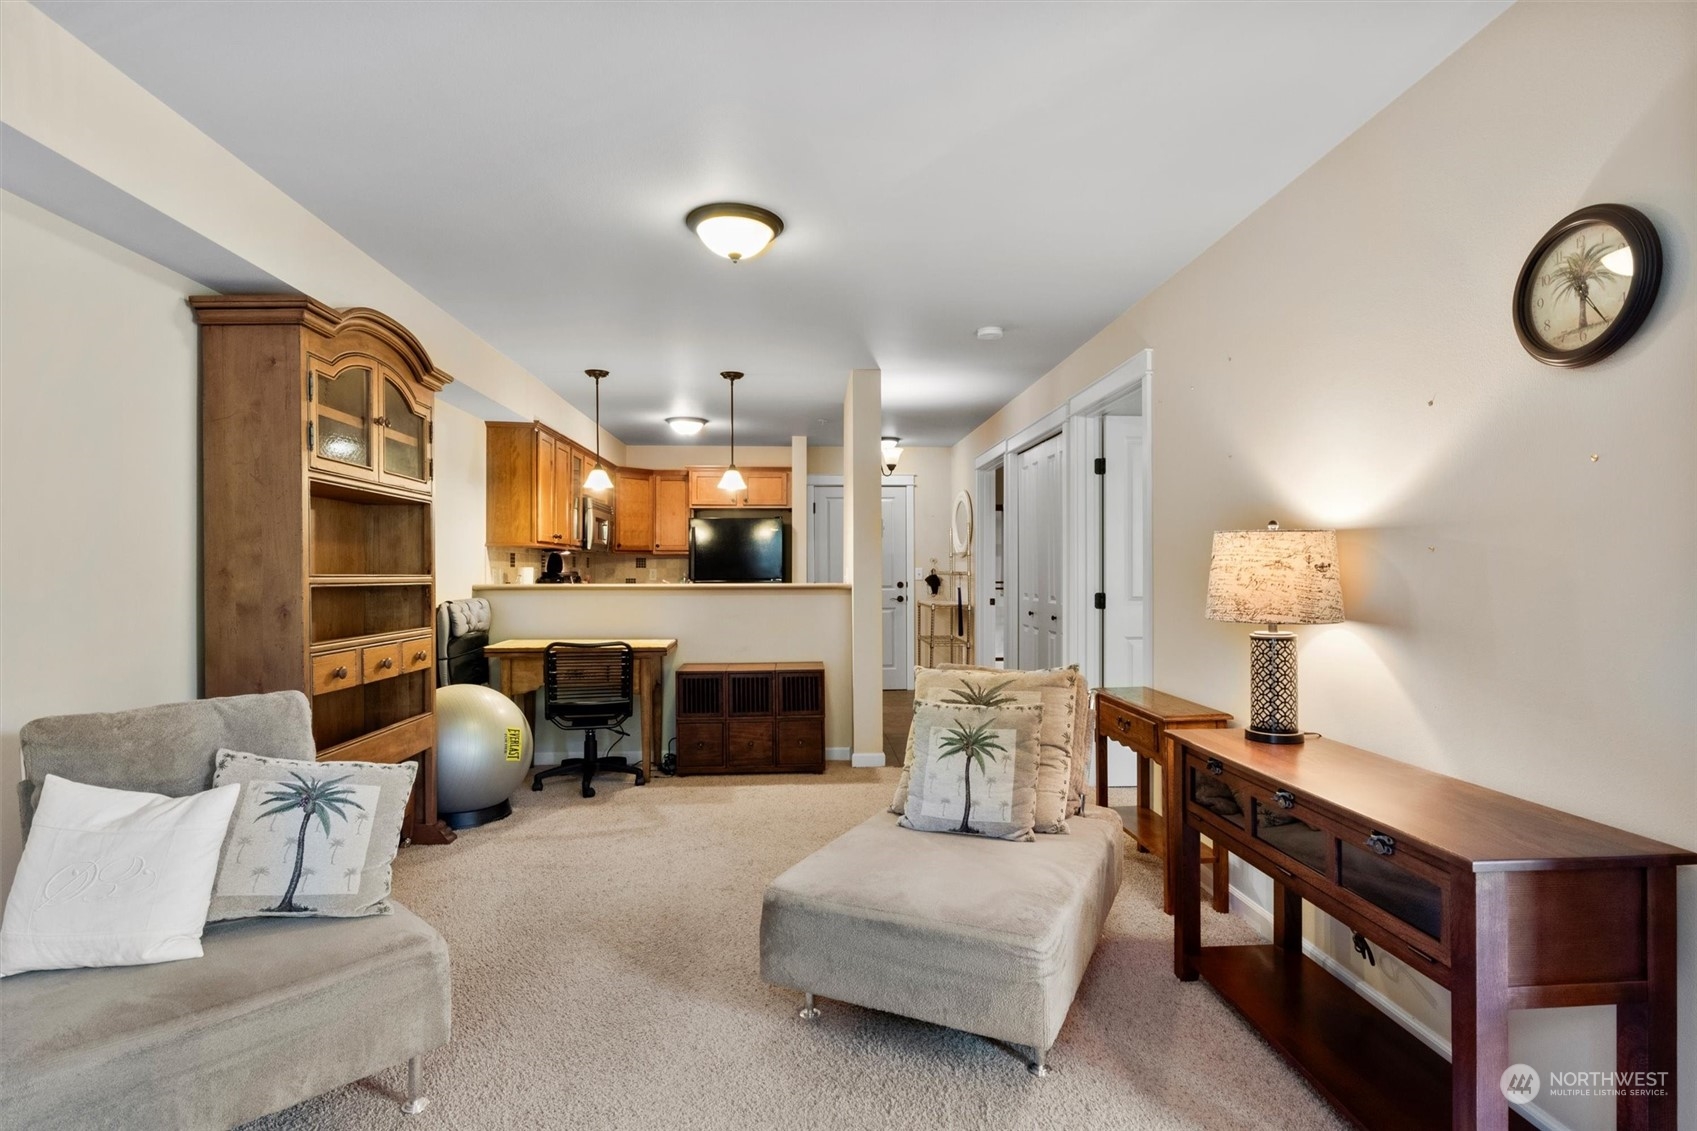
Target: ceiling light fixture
892	453
735	231
732	480
686	425
989	333
598	479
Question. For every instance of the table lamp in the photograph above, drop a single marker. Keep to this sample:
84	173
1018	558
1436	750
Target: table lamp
1274	577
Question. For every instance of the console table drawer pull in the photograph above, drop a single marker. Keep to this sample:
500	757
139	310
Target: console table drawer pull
1216	767
1382	844
1285	798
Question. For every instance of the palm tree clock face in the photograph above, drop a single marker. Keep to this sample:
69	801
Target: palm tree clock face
1588	285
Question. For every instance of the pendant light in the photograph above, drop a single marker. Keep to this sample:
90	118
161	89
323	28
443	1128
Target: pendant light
598	479
732	480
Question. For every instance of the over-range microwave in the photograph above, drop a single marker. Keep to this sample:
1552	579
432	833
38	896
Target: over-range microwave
597	525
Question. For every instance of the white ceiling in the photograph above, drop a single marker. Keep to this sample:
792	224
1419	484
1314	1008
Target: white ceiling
1040	166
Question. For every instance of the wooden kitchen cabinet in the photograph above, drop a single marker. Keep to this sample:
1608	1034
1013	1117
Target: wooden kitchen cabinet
767	487
633	518
671	512
533	487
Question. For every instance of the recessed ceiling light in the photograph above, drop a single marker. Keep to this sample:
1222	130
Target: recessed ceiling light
686	425
735	231
989	333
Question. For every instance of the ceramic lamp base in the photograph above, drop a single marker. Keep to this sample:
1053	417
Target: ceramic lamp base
1272	688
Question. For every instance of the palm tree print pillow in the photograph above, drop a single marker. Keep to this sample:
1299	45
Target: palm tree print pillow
309	838
974	770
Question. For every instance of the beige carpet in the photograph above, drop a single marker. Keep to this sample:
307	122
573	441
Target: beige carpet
606	975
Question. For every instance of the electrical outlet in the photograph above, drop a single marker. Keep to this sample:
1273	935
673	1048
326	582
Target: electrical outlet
654	575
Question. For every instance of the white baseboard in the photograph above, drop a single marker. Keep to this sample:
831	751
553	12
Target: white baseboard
838	753
862	761
1244	907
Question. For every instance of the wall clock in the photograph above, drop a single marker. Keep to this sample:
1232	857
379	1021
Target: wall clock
1588	285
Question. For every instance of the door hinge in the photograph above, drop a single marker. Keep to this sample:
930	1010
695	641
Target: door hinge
432	431
815	508
1101	465
1101	600
309	435
311	380
430	473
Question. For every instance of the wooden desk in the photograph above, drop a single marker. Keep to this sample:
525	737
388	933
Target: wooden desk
521	678
1508	904
1139	719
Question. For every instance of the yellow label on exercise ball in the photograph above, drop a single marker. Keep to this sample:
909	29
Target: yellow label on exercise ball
515	744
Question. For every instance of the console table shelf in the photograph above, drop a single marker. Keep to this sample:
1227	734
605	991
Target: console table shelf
1508	904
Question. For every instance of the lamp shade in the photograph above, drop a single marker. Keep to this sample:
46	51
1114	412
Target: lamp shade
1275	577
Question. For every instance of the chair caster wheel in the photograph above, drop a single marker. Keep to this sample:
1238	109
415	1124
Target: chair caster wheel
642	779
535	786
588	791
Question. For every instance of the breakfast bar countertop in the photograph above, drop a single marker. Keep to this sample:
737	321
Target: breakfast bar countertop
685	586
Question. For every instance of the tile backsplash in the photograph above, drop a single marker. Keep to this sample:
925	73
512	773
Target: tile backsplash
599	568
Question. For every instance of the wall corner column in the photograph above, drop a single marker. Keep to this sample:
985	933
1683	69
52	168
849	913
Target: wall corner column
799	548
863	554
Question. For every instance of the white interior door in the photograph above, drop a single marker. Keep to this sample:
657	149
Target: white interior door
897	504
1039	513
825	534
1125	526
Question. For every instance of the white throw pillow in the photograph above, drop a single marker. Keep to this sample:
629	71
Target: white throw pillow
113	878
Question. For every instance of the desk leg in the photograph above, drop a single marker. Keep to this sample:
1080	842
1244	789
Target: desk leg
1101	769
1479	1005
652	713
1143	797
1645	1031
1287	917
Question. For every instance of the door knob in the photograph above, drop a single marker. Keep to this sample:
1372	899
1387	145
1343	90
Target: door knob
900	599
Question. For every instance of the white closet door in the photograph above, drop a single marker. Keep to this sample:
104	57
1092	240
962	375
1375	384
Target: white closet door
1040	514
1125	658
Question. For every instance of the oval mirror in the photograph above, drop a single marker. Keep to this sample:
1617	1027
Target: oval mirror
961	527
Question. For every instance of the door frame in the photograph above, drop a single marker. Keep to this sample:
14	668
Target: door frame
912	616
1081	574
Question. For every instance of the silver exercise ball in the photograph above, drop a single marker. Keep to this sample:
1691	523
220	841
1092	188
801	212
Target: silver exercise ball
483	752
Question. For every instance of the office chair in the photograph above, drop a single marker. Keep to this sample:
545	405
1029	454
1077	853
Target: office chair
587	687
462	632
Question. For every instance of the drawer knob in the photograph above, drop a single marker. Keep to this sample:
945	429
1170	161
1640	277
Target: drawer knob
1124	724
1216	767
1285	798
418	655
1382	844
386	662
339	673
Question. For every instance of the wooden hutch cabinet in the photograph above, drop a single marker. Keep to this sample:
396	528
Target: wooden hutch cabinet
316	525
534	487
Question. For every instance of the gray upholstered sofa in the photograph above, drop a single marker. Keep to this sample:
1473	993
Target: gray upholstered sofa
276	1012
987	936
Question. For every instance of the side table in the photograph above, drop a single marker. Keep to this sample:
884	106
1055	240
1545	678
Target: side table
1139	718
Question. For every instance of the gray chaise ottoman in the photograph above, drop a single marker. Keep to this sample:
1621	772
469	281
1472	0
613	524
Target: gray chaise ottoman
990	937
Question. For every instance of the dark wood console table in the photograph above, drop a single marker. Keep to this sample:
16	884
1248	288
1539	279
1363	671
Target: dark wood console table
1508	904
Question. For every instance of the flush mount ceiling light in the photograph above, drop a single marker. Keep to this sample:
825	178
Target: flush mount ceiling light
735	231
598	479
732	480
892	453
686	425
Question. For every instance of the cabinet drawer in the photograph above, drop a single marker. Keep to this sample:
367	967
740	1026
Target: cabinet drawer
380	661
701	747
1213	792
749	743
1126	728
416	654
801	742
335	671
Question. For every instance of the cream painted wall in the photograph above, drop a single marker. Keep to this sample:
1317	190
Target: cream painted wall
933	495
99	483
778	623
664	457
460	502
1518	542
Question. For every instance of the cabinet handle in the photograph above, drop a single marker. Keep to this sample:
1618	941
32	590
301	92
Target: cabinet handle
1285	798
339	673
1216	767
1382	844
381	421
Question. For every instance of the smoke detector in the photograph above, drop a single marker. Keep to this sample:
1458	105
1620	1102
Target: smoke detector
989	333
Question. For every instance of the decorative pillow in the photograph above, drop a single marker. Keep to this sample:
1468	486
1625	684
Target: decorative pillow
1083	728
113	878
309	838
1053	691
974	770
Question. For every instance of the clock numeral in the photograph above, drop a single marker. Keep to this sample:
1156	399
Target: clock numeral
1546	324
1540	302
